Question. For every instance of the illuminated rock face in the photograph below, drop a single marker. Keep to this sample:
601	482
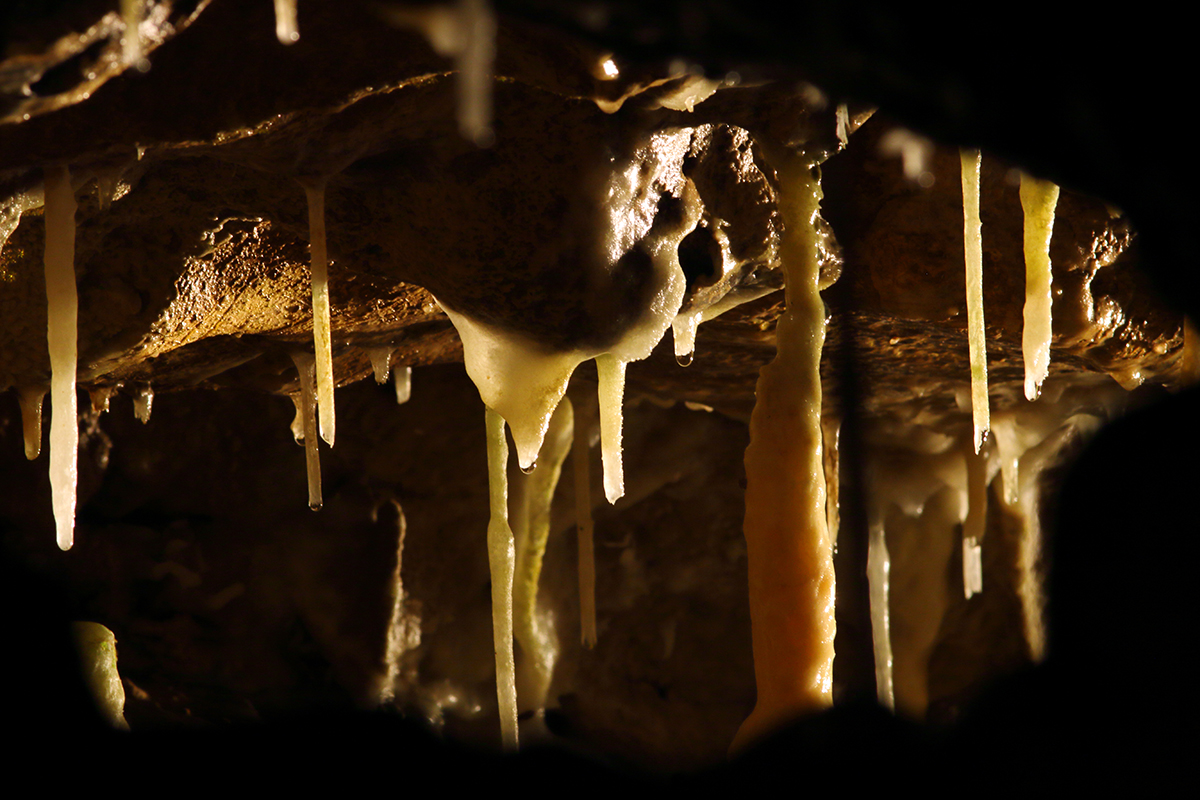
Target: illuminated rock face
192	267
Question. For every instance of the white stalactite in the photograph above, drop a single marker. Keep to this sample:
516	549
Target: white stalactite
62	311
610	372
879	567
286	29
402	379
501	563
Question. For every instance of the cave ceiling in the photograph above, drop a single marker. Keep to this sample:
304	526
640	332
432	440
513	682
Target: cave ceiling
189	164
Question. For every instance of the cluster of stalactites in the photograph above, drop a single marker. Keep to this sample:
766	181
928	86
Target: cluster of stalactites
1038	201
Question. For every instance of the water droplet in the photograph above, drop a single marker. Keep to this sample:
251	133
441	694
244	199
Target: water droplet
532	466
684	360
315	506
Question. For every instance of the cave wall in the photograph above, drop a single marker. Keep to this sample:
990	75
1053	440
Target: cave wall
264	222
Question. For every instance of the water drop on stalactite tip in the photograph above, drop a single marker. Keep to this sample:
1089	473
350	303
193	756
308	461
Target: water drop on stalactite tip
684	360
529	469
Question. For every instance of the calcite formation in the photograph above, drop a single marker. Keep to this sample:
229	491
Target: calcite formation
613	189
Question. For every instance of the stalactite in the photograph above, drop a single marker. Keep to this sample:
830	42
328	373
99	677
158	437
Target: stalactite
879	567
475	71
381	362
143	403
402	380
62	311
1038	199
534	626
611	374
975	525
31	398
100	396
322	335
132	14
973	245
683	333
306	406
790	557
501	559
286	29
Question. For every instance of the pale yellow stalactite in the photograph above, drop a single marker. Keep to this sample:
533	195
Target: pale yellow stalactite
475	70
402	380
100	397
610	372
286	29
975	525
381	362
879	567
322	340
973	245
306	408
683	332
790	557
580	456
62	312
534	628
31	398
1038	200
501	558
143	403
132	14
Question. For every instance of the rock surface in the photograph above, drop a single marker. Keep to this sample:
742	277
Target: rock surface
231	601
